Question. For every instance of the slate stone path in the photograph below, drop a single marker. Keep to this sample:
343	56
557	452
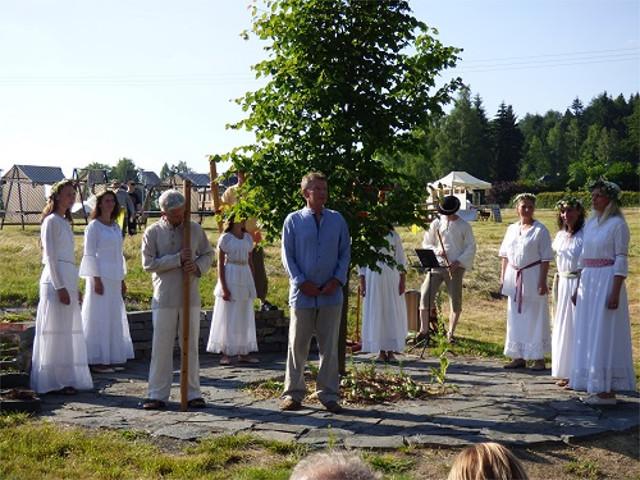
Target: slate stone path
492	404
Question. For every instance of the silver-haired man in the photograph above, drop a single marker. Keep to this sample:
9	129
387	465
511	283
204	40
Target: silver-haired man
164	255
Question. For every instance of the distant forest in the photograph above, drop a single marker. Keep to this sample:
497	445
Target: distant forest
554	151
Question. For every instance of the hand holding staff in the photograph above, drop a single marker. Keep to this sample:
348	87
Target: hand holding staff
188	267
444	253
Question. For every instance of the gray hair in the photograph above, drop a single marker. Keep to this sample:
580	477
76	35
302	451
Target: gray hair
170	199
333	465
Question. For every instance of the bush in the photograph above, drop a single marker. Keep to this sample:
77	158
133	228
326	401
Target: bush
549	199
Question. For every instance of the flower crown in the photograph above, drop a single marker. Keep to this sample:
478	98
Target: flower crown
610	189
569	202
57	187
524	196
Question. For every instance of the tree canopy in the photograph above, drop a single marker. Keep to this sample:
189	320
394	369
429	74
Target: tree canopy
346	82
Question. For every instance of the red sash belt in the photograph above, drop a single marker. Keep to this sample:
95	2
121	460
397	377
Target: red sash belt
597	262
519	283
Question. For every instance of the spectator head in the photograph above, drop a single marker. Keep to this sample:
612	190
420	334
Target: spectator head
485	461
333	466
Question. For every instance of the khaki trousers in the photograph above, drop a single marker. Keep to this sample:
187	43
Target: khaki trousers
454	288
165	323
324	322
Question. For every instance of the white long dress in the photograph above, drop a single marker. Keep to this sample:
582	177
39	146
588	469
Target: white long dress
104	319
568	248
59	352
233	327
603	361
384	313
528	332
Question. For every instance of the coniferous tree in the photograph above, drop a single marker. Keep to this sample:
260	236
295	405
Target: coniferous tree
507	143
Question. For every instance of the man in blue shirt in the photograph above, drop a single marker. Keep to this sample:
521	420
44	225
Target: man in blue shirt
316	253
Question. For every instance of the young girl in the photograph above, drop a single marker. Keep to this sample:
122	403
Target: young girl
104	319
233	328
59	361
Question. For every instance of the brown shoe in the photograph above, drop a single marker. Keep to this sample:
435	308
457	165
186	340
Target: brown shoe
332	406
151	404
538	365
515	363
290	405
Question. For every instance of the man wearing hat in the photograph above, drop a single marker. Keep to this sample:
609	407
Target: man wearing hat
451	238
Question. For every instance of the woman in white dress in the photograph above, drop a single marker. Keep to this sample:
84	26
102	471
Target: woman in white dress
526	253
104	319
568	246
603	362
384	313
233	326
59	361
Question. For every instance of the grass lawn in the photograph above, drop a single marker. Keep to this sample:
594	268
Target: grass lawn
33	448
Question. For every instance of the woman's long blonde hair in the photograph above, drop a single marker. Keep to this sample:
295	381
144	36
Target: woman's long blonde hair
485	461
52	200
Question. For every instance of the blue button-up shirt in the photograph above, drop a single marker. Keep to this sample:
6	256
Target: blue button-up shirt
317	253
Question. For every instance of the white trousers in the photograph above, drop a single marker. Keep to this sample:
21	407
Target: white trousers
165	323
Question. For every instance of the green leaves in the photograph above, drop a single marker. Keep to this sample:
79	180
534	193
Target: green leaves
346	81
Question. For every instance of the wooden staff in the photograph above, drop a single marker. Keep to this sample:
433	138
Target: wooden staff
186	301
215	193
444	253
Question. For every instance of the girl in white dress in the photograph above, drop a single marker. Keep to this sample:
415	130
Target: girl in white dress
603	362
59	362
384	313
104	319
526	253
233	326
568	246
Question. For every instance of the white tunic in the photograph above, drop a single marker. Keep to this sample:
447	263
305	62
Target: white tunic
384	313
233	326
603	361
568	248
104	319
457	238
528	333
59	352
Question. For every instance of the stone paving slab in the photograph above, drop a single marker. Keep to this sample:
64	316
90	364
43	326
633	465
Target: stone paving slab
491	404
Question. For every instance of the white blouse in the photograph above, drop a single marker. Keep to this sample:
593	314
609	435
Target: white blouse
103	252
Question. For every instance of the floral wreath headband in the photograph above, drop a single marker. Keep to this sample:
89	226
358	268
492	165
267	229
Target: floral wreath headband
569	202
610	189
57	187
524	196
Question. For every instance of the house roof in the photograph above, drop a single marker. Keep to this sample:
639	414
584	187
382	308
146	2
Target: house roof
38	174
149	178
197	179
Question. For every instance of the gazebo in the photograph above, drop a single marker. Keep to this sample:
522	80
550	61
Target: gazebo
460	184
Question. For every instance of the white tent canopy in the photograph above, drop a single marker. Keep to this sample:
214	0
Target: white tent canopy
461	179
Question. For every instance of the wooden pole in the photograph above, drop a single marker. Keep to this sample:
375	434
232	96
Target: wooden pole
186	302
215	193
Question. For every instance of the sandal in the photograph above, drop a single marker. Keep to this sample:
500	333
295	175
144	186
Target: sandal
563	382
67	391
197	403
151	404
248	359
225	361
515	363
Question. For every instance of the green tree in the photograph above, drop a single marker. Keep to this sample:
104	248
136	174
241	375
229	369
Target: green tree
165	171
535	163
98	166
124	170
507	143
462	139
181	167
347	82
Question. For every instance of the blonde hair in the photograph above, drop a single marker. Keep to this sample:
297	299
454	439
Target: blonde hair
311	177
485	461
333	465
611	210
52	200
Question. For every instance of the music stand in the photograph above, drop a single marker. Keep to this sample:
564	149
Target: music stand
428	261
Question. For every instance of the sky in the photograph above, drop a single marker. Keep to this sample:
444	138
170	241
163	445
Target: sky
86	81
